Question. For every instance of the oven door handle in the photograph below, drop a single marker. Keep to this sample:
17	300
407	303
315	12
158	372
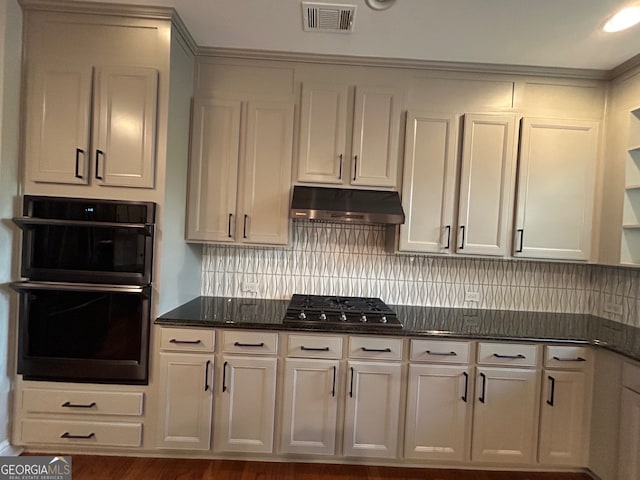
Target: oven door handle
80	287
28	222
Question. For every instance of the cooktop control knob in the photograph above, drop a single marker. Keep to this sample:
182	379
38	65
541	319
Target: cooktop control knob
383	319
323	316
343	317
363	318
302	316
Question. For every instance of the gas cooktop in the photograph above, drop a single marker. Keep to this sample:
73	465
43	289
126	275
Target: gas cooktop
331	310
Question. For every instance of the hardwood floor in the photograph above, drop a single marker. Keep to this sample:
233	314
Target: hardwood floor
134	468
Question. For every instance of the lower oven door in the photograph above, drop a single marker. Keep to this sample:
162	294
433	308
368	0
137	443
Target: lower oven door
83	332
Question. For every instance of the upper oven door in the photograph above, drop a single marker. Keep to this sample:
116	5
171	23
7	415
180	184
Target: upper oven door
86	241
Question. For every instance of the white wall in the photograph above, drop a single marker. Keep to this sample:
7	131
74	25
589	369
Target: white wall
10	52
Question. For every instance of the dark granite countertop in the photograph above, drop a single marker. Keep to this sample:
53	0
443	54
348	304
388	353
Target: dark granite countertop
249	313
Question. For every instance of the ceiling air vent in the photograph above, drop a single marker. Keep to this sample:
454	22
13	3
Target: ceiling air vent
328	17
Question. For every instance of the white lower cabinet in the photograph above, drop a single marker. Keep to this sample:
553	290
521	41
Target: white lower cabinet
311	394
185	389
564	408
505	422
372	410
629	443
246	393
439	402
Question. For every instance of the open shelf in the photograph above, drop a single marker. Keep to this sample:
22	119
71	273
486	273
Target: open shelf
630	238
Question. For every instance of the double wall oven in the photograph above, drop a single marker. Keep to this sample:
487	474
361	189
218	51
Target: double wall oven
86	298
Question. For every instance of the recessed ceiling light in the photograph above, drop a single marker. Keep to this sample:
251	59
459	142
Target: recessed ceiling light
380	4
625	18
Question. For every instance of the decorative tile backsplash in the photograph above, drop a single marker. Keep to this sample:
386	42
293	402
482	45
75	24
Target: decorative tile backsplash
351	260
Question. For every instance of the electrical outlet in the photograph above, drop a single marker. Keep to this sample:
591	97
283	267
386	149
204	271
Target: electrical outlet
471	296
250	287
613	307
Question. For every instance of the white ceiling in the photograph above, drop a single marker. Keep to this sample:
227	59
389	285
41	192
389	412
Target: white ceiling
554	33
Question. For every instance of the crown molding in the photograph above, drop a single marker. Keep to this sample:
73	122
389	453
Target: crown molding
75	6
588	74
625	69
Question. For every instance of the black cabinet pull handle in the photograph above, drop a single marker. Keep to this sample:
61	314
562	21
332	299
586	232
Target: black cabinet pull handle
510	357
482	397
376	350
521	236
314	349
206	376
553	391
448	245
333	386
84	437
355	167
441	354
256	345
462	228
224	377
98	153
576	359
340	171
351	385
466	386
229	225
78	405
244	226
78	152
185	342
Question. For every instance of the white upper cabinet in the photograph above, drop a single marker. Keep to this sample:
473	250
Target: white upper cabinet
62	146
58	124
487	181
323	133
428	186
372	158
485	194
556	185
213	173
240	172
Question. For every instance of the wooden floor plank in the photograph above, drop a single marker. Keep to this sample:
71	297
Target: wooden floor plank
91	467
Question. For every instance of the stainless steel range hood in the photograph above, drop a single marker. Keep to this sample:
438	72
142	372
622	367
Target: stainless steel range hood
347	206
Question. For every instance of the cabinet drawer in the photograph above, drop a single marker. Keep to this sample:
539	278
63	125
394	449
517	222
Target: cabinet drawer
314	346
82	433
187	339
256	343
383	348
440	351
570	357
631	376
507	354
37	400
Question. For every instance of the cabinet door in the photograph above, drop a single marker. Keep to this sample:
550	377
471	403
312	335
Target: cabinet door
57	124
125	126
487	183
505	416
372	411
310	406
629	460
563	433
556	185
376	128
246	405
267	174
184	421
213	171
428	185
438	424
323	127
